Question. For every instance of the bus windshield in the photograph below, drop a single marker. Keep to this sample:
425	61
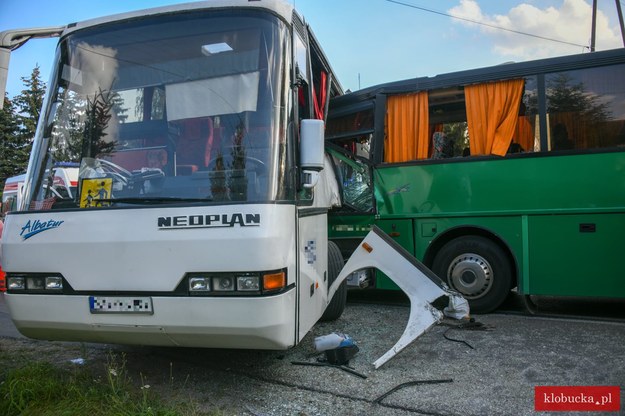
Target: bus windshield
167	109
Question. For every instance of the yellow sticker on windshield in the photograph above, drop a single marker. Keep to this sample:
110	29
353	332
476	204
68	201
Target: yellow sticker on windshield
95	192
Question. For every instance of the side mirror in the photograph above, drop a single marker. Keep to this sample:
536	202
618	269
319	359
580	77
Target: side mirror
311	151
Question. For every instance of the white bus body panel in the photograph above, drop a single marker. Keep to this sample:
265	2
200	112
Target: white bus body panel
313	284
255	323
125	250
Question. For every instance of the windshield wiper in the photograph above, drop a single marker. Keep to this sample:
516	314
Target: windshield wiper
152	200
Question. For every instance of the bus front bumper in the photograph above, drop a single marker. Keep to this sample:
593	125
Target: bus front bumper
204	322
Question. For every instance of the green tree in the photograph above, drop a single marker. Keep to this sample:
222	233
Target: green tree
99	112
579	110
13	154
566	96
67	132
458	138
238	184
29	103
18	123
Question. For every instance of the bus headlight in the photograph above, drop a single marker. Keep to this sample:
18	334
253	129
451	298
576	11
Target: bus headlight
54	283
16	283
199	284
35	283
248	283
223	283
232	284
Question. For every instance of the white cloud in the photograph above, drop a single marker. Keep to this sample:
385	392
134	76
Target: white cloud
570	22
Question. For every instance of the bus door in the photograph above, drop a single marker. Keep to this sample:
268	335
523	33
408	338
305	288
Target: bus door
312	241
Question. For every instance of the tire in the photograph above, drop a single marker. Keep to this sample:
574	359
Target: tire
478	269
335	308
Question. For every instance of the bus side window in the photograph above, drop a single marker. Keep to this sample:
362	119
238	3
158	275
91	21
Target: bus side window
451	115
584	109
449	139
442	146
354	176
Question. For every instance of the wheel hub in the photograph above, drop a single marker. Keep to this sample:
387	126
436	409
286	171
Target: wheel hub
468	277
471	275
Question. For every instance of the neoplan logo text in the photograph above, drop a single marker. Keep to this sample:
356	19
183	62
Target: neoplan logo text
209	221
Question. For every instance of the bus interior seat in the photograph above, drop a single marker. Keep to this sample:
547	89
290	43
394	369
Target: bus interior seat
193	150
135	159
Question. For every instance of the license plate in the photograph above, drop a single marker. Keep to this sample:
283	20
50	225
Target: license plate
120	304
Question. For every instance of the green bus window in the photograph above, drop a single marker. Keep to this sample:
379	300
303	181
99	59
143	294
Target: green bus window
447	127
354	176
586	108
361	121
492	115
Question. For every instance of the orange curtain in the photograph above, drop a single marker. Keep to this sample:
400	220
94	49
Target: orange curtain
492	115
525	134
407	128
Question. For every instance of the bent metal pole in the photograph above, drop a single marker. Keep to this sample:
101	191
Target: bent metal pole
10	40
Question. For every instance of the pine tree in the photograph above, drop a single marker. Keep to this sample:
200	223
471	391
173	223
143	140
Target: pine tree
29	103
13	155
18	123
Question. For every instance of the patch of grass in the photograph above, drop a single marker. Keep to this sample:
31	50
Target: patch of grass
40	388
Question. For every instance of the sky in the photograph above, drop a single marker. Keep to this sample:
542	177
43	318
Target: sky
369	42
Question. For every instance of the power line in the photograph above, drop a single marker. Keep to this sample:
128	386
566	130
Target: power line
485	24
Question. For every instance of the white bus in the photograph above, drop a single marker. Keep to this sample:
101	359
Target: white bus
11	193
199	216
64	185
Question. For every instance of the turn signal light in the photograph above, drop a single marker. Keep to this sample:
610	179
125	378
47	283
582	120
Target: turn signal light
274	281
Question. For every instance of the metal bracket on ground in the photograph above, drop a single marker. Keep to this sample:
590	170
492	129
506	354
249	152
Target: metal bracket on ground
422	286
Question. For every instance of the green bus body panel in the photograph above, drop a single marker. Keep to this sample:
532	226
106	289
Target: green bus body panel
416	235
347	230
530	184
568	262
560	217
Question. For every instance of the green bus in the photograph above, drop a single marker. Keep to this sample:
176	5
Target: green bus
495	178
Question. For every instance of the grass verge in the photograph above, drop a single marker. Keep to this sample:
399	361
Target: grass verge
42	388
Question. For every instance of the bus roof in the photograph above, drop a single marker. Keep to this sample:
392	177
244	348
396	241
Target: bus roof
480	75
279	7
15	179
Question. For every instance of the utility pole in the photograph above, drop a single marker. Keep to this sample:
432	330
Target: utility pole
620	19
593	30
593	35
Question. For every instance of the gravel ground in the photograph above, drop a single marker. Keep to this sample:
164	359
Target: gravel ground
492	373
